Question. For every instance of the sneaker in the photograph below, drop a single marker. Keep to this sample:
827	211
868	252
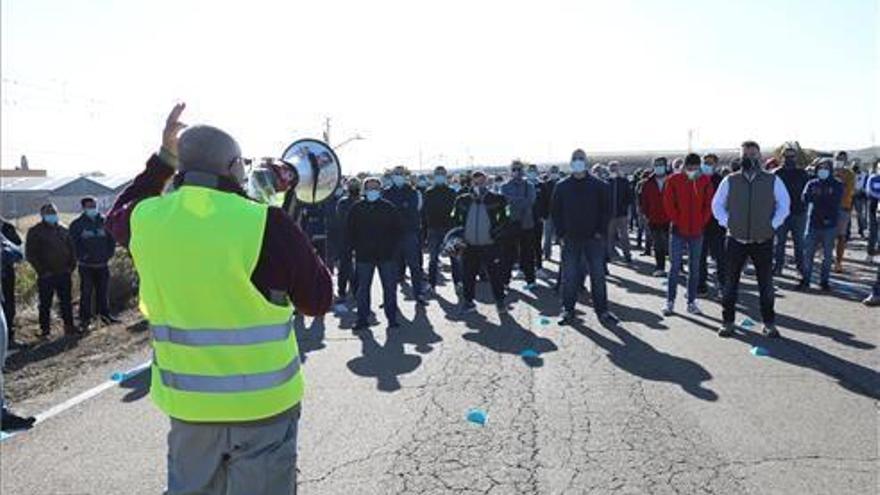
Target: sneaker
609	318
694	309
770	331
659	273
567	318
12	422
467	307
530	287
726	330
361	326
872	300
110	320
668	308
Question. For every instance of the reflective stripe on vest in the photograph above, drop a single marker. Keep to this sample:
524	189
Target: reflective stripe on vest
233	383
246	336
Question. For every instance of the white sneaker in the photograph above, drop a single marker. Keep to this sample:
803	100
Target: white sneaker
669	308
694	309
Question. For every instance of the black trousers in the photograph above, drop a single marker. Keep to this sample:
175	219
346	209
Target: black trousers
48	286
93	294
8	282
537	235
476	258
660	239
519	246
761	255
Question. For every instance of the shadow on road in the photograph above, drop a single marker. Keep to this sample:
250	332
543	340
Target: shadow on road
640	359
386	362
138	386
309	339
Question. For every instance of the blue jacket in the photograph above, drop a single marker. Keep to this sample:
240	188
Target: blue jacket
94	244
580	208
406	199
823	199
521	196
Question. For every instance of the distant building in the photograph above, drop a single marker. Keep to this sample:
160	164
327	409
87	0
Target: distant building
22	196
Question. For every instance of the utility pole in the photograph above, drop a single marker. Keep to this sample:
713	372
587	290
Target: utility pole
690	140
327	131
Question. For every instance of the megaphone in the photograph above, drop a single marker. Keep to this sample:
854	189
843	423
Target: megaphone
316	169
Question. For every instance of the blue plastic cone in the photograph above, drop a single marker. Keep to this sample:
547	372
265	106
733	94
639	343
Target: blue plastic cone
529	354
477	416
760	351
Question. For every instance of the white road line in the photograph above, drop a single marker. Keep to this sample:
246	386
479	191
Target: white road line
73	401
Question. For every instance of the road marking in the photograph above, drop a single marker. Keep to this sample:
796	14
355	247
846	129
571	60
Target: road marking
73	401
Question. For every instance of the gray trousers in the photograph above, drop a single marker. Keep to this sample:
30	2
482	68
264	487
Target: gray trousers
618	235
225	459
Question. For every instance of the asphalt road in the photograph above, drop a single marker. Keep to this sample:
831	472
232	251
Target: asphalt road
652	405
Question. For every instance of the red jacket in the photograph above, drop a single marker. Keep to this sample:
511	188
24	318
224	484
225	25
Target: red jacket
651	202
688	203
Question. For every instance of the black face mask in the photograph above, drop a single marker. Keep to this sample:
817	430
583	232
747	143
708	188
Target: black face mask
748	163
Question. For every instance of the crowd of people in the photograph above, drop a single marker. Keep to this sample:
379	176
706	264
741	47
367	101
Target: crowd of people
682	213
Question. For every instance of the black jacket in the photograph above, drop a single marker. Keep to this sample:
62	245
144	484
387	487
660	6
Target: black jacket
94	245
437	207
544	191
373	229
795	180
496	207
580	208
343	208
620	197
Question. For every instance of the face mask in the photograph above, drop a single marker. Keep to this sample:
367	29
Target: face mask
423	183
51	219
692	174
707	169
554	176
516	173
398	180
91	212
578	166
532	174
660	171
824	173
439	180
372	195
456	187
748	163
386	182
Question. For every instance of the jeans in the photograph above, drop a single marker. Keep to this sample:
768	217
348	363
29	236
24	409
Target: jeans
872	225
346	278
519	247
93	282
48	286
577	257
388	277
435	244
859	201
815	236
475	258
409	254
618	236
549	238
678	244
713	244
660	239
761	254
227	459
537	252
796	224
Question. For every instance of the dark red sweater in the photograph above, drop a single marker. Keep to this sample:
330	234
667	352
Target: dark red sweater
287	261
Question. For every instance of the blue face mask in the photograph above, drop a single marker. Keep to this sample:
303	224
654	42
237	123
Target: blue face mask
91	212
532	174
51	219
439	180
824	173
456	187
372	195
707	169
578	166
660	171
398	180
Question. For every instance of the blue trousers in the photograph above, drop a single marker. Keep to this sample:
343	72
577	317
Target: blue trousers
388	275
678	244
409	254
814	237
577	257
796	224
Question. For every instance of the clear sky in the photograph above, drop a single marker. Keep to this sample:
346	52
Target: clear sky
86	84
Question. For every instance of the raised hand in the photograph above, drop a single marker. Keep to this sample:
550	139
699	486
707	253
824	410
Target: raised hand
173	126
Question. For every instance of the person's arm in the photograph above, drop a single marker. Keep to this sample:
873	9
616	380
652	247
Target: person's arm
604	208
706	206
669	202
809	193
33	251
719	203
71	253
288	263
556	212
782	204
11	234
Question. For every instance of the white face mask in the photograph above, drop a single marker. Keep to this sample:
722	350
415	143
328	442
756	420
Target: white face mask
692	174
578	166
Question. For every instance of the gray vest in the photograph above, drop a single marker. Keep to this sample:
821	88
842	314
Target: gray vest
750	205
